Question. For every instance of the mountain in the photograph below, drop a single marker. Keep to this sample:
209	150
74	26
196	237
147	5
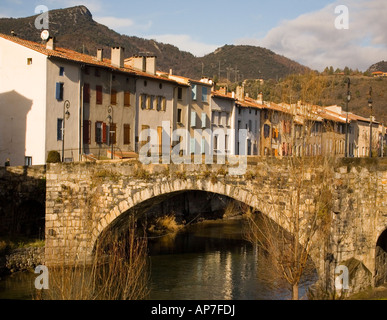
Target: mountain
74	28
380	66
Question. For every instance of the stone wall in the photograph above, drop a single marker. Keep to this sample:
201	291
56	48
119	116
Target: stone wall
84	200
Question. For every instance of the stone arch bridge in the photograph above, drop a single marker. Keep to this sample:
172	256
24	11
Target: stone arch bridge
84	199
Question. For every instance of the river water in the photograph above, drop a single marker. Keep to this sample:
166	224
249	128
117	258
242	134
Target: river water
207	261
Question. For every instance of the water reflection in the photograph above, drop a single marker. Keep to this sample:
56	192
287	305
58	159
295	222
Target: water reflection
210	261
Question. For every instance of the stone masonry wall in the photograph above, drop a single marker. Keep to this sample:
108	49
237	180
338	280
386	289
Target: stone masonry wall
85	199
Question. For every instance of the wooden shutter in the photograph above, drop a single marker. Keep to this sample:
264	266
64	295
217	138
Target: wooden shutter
113	97
99	94
104	132
87	131
127	99
86	93
126	134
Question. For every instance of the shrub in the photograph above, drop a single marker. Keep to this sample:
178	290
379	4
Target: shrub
53	157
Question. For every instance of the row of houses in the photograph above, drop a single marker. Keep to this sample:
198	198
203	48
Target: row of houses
89	107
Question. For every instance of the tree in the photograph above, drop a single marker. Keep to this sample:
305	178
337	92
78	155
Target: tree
288	237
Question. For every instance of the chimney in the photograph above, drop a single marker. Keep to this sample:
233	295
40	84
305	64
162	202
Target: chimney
240	93
150	65
223	90
170	72
100	54
118	57
137	63
51	44
260	98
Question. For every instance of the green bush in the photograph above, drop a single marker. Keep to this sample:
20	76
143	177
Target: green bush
53	157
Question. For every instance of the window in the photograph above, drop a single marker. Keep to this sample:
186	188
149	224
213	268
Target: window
113	97
127	99
204	120
99	96
29	61
86	93
28	161
204	94
193	145
126	134
87	70
59	91
61	71
179	115
97	72
194	92
193	119
148	102
86	131
59	130
164	104
113	134
266	131
180	94
203	146
100	132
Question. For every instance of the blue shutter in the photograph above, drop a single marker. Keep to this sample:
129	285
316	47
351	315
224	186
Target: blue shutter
57	92
193	119
204	94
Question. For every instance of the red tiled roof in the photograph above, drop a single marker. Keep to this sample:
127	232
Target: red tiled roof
70	55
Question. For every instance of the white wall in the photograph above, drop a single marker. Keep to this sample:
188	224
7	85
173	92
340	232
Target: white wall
22	104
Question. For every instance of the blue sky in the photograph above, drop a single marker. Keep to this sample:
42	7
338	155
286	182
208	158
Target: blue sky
300	29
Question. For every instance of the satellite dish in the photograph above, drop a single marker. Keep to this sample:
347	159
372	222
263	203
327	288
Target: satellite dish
45	35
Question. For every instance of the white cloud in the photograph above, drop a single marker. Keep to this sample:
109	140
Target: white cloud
313	40
185	43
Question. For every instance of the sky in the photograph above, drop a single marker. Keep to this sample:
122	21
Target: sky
310	32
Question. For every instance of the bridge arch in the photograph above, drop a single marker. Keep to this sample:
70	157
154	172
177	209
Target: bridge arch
381	259
166	189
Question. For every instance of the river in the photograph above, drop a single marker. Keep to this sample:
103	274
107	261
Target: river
207	261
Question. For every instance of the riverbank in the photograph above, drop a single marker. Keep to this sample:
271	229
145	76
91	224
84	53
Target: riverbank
20	256
379	293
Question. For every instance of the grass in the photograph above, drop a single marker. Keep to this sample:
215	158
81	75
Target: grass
12	243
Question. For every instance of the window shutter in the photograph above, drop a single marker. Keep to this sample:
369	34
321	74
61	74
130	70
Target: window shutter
104	133
59	91
86	93
204	94
204	120
86	131
113	97
127	99
99	94
193	145
193	119
59	129
203	148
194	92
126	134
